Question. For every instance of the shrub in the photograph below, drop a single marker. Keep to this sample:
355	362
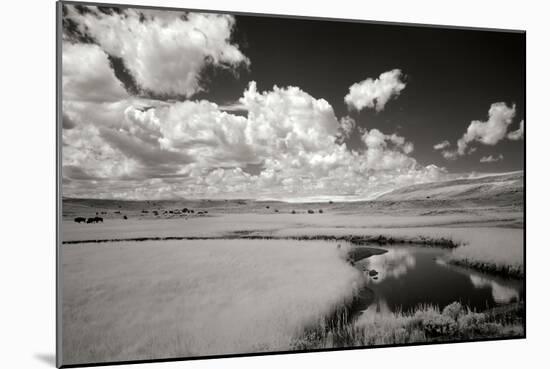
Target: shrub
453	310
439	325
425	323
473	324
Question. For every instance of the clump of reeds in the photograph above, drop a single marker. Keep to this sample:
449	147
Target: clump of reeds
503	270
426	323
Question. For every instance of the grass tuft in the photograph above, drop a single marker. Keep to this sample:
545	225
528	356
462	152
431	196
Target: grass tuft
503	270
426	323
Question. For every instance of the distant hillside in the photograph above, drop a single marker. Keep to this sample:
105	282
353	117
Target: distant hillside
493	187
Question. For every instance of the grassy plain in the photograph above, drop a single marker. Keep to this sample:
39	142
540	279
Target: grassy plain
156	299
211	291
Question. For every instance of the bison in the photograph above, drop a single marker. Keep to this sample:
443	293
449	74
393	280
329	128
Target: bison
94	220
310	211
80	219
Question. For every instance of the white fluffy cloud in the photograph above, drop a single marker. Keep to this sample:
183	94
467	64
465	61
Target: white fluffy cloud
491	158
488	132
87	75
280	143
442	145
289	119
517	134
148	149
375	93
164	51
491	131
387	152
449	154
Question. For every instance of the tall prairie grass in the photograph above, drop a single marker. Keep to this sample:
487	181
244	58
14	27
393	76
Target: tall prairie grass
426	323
131	301
498	251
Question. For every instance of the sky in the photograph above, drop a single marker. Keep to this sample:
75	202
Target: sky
173	104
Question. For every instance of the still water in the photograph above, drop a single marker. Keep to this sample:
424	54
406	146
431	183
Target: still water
407	276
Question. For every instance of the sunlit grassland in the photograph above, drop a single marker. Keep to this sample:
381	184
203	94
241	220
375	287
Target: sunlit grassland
132	301
498	251
488	249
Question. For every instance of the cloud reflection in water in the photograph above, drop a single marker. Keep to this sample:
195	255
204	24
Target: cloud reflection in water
393	264
501	294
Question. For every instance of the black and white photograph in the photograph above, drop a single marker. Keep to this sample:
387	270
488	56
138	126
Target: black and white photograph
242	184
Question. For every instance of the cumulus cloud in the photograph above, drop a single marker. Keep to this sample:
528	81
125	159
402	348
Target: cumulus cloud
491	131
289	119
517	134
375	93
88	76
491	159
488	132
124	146
148	149
449	154
84	148
387	152
347	126
442	145
164	51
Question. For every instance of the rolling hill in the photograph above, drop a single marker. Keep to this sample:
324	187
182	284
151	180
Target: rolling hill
508	186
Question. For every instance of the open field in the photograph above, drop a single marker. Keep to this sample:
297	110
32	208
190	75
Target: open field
237	276
171	299
497	245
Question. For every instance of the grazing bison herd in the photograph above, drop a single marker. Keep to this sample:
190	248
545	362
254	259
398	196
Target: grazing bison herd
88	220
168	213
